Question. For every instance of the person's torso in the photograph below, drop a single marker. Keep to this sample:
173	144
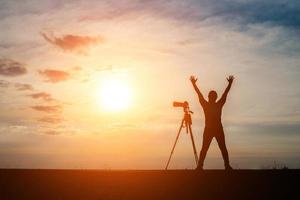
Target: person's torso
213	113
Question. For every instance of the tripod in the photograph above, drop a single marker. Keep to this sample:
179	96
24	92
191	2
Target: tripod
186	122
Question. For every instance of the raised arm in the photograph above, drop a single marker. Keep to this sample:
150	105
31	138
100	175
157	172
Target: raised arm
224	96
200	96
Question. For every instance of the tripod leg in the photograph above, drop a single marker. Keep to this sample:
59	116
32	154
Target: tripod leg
174	144
193	142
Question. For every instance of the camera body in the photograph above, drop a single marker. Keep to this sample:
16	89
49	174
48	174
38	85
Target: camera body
186	110
184	104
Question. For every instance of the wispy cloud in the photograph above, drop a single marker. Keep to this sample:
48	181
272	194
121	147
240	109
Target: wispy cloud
273	12
41	95
50	119
52	132
74	43
12	8
23	86
17	86
55	76
4	84
76	68
47	109
11	68
267	128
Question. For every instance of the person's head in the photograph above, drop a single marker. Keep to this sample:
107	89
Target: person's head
212	96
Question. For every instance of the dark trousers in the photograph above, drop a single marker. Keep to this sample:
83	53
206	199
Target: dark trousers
208	135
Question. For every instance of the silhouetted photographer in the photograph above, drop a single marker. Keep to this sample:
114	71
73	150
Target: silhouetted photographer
213	124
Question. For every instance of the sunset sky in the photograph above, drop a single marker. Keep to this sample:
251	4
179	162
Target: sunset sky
61	61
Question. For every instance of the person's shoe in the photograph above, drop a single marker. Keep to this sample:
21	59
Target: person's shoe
199	168
228	168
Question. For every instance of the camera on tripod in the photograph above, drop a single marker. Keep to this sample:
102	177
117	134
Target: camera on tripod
185	123
186	110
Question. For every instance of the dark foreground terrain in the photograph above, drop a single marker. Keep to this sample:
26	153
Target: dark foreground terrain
153	185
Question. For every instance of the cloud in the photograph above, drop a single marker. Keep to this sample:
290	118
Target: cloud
76	68
4	84
47	109
55	76
17	86
72	42
23	86
274	12
51	120
52	132
274	129
11	68
41	95
32	7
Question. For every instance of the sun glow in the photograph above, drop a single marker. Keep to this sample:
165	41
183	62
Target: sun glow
114	95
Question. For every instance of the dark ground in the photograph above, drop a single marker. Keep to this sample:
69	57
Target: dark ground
21	184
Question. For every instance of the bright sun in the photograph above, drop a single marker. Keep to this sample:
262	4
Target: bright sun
114	95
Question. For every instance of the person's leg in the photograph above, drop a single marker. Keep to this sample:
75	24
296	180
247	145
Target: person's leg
221	142
207	137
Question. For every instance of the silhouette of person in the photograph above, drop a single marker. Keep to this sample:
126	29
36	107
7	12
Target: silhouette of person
213	124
